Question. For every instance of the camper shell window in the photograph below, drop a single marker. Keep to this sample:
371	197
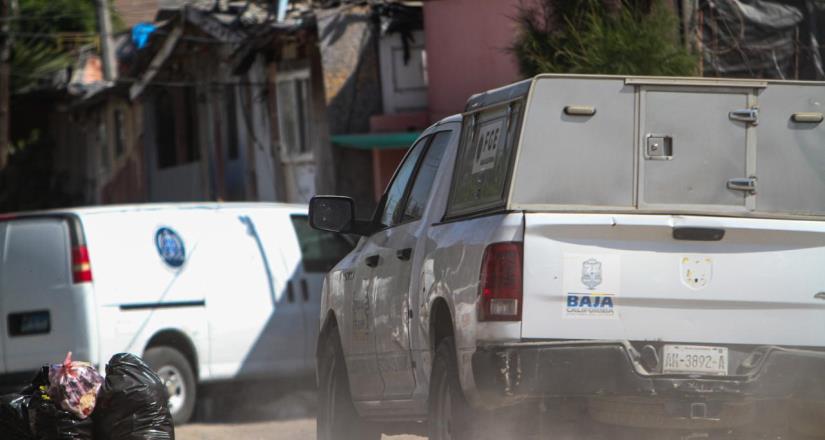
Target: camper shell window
485	159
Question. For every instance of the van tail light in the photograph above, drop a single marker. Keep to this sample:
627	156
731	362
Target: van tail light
500	282
81	266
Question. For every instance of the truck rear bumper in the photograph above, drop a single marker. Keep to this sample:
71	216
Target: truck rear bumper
508	373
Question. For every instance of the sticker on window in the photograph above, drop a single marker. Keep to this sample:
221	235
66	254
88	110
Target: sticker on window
591	286
490	137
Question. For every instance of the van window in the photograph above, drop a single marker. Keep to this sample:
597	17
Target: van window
395	193
36	255
320	251
425	177
485	158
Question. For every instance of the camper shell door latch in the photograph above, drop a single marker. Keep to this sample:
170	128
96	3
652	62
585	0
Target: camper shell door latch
747	115
746	184
659	147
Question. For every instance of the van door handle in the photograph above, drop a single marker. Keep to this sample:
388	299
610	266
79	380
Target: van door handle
304	290
372	260
403	254
290	292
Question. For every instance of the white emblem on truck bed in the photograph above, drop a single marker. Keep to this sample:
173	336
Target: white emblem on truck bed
591	284
591	273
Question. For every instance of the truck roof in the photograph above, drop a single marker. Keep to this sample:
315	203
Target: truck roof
680	146
522	88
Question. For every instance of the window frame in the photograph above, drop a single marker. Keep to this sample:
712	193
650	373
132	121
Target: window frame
379	210
408	187
514	126
417	171
294	153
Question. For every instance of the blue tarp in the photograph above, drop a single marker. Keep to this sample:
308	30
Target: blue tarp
141	32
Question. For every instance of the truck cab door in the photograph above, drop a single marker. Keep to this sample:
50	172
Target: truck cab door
397	248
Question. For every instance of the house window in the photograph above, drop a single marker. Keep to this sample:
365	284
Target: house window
293	111
176	144
103	141
165	129
233	150
120	133
190	109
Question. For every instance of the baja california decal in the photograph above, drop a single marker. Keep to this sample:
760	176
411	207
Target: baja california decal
170	247
591	285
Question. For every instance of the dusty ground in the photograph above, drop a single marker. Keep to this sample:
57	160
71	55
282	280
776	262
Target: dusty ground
285	416
272	430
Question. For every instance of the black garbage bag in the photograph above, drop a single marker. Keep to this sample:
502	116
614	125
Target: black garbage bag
48	422
132	403
14	417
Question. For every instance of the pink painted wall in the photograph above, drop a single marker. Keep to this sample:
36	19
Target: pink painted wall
467	42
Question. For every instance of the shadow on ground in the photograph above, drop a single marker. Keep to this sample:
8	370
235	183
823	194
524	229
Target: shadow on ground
256	402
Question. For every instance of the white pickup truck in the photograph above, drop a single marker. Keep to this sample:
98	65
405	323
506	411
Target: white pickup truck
610	255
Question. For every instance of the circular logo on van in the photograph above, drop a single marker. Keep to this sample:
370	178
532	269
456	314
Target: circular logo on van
170	247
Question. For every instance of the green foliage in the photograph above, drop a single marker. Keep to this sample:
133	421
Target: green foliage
585	36
33	62
36	52
53	16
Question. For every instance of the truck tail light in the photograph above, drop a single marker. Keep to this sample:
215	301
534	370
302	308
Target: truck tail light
81	266
500	293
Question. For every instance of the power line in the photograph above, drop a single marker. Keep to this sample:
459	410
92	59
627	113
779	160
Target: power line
125	80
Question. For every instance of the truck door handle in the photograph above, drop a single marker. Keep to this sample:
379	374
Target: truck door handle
372	260
403	254
304	290
747	184
290	292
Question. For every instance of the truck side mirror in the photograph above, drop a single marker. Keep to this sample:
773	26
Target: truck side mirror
332	213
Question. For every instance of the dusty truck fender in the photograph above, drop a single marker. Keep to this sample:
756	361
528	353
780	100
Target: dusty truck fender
457	290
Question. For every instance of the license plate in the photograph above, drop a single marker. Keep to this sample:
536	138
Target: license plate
695	359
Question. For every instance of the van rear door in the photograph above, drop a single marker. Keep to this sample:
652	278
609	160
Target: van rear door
43	310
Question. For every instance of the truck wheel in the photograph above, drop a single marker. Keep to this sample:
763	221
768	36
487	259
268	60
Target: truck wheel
449	413
337	418
176	373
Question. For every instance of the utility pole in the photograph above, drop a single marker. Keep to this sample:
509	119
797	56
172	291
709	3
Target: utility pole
5	80
107	47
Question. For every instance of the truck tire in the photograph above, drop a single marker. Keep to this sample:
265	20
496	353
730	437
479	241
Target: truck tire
450	416
177	374
337	417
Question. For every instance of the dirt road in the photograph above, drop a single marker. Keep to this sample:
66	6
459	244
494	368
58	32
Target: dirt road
261	413
303	429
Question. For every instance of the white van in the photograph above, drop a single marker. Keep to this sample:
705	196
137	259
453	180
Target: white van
204	292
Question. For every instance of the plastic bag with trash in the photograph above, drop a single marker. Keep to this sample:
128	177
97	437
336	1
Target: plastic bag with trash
73	386
132	403
46	420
